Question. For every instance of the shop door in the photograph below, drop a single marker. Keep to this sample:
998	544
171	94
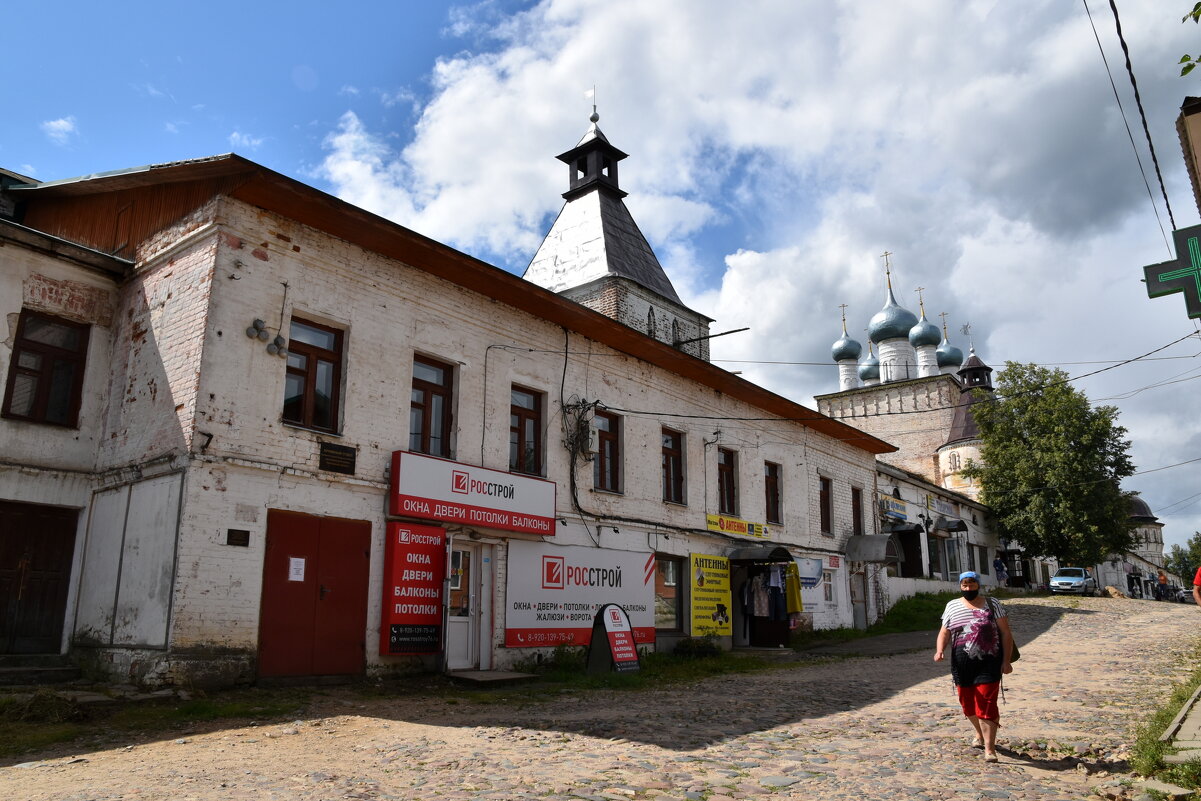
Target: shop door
37	545
463	616
314	610
859	599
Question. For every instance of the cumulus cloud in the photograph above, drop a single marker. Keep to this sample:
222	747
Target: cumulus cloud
777	149
244	141
61	131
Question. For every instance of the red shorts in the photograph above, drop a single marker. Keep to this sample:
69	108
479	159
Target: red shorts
980	701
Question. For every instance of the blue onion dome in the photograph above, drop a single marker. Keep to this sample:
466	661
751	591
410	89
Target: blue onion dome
948	355
891	322
924	333
869	368
846	348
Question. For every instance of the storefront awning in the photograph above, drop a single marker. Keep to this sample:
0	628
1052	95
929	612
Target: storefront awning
760	553
873	548
902	528
942	524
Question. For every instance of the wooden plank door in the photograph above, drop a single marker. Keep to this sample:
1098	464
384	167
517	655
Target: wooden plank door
37	546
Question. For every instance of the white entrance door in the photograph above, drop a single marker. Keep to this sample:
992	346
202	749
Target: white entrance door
470	597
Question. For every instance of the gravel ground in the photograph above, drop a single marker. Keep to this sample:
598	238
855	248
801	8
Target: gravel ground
838	728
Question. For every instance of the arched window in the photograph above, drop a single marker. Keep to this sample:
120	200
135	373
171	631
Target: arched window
953	462
650	323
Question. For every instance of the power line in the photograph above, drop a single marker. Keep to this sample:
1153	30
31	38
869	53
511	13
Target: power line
1126	122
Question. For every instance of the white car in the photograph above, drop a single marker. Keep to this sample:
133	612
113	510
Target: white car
1074	581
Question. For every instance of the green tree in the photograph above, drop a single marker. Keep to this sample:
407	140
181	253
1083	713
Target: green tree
1185	561
1186	60
1052	465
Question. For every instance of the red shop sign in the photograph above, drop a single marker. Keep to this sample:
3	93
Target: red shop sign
414	574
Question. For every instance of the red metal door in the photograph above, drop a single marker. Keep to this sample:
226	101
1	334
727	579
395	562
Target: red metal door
313	617
37	545
340	625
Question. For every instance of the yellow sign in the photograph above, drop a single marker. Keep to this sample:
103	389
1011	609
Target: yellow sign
732	525
892	507
710	596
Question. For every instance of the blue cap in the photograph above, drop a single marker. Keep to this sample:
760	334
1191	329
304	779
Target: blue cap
969	574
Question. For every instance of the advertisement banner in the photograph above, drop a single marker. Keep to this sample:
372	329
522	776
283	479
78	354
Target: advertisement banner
942	507
892	507
414	571
621	639
733	525
554	592
439	489
710	595
810	570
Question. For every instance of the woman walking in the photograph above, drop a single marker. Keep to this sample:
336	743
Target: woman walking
977	629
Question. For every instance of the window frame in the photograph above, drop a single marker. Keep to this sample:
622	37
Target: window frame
51	357
727	481
673	467
825	501
314	354
857	524
661	560
607	464
444	391
771	493
519	416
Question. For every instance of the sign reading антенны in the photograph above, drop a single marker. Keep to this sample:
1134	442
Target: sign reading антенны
453	492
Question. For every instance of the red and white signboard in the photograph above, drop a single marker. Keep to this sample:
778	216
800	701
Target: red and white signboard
414	574
439	489
554	592
621	639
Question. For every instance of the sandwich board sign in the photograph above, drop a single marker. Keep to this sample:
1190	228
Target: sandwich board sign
612	647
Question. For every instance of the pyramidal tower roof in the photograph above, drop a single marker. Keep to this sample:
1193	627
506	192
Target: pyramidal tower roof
594	236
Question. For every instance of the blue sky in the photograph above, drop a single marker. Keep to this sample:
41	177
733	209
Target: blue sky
776	150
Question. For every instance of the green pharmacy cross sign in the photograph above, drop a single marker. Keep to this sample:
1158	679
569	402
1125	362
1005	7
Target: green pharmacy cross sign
1183	274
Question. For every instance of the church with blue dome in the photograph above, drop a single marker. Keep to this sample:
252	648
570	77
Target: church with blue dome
908	385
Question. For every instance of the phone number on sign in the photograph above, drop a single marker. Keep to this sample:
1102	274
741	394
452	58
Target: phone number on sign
524	637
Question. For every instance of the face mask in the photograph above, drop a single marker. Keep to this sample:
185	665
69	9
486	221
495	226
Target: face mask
969	595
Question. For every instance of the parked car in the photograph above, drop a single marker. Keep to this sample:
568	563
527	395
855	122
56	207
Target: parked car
1184	596
1073	580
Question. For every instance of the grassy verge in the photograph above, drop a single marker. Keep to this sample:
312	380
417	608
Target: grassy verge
919	612
1147	755
46	718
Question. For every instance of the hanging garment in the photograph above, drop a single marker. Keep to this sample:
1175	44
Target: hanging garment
759	594
792	589
775	577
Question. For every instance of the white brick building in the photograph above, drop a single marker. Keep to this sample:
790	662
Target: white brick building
224	510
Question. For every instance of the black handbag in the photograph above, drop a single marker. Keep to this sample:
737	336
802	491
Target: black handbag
1015	655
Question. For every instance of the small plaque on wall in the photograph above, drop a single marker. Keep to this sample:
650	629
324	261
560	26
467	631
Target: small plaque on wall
337	458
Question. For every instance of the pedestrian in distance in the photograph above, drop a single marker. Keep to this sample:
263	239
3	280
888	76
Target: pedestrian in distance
1161	590
976	628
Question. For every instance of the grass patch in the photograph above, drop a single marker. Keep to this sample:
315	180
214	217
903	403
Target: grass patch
920	612
47	718
1148	752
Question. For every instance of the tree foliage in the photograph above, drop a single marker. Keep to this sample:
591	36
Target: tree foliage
1187	61
1185	561
1052	467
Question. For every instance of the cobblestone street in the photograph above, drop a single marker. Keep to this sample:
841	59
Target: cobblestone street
841	728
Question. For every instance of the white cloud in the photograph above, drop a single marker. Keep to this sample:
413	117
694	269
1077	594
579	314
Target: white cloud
239	140
778	148
60	131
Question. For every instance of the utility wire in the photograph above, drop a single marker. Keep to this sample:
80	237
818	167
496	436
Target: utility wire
1125	122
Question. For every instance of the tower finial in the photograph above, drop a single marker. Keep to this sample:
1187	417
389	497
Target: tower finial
943	315
843	306
921	303
966	330
591	93
887	268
